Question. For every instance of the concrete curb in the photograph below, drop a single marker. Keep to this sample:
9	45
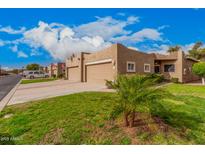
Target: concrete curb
7	98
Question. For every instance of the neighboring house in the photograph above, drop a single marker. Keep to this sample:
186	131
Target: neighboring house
118	59
45	69
56	69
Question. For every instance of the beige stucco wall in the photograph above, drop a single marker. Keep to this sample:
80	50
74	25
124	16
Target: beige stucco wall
93	75
74	74
187	74
169	75
183	68
74	62
108	53
178	67
125	54
120	55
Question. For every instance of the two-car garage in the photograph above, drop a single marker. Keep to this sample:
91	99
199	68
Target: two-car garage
98	72
95	72
74	73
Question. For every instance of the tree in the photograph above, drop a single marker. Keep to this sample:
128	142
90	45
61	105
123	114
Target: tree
133	93
197	45
173	49
33	67
199	69
202	54
197	51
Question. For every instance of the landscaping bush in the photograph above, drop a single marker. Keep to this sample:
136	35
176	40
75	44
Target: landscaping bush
157	77
135	94
109	84
199	69
175	80
61	76
53	76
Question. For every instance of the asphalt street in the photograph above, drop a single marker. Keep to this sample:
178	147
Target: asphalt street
7	83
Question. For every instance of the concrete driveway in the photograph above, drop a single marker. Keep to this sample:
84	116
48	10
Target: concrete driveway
36	91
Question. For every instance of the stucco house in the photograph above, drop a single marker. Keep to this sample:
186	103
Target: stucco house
118	59
56	69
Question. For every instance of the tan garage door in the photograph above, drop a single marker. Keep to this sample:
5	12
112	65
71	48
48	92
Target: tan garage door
99	72
74	74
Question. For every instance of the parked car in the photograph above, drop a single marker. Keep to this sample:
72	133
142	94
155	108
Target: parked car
35	74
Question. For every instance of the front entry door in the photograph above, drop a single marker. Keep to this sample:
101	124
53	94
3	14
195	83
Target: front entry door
157	69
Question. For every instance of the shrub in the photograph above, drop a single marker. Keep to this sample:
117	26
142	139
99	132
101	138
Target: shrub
53	76
199	69
157	77
135	93
61	75
109	84
175	80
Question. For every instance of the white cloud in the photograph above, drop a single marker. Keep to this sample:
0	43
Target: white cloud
60	41
10	30
95	41
106	27
132	19
21	54
187	47
163	27
147	33
14	48
144	34
133	48
34	52
162	49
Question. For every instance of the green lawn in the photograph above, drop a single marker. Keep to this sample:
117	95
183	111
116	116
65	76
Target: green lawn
84	118
187	90
37	80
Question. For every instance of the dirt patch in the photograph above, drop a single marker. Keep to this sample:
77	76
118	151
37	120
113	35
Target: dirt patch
131	133
145	123
162	126
53	137
108	134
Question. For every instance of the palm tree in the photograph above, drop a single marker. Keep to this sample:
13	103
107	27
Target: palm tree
173	49
134	91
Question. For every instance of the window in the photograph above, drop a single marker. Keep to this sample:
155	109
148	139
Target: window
169	68
130	66
36	72
146	67
30	73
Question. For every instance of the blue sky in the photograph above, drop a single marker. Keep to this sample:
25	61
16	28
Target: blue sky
50	35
